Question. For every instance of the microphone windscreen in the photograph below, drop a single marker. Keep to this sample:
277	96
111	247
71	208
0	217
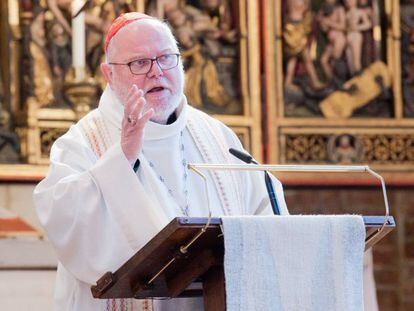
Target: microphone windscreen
245	157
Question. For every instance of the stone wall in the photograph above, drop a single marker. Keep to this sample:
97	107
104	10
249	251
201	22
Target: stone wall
394	256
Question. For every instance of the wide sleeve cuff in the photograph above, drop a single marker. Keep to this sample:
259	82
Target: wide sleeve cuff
125	197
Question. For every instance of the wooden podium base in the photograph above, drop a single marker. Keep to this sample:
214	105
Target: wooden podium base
214	290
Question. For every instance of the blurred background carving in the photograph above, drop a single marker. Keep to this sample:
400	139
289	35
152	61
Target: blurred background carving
207	33
55	47
332	48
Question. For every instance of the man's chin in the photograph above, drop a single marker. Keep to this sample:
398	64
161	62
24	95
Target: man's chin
163	112
160	119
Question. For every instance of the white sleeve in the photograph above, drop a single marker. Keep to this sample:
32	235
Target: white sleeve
95	211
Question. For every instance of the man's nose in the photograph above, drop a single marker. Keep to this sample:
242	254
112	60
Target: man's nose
155	70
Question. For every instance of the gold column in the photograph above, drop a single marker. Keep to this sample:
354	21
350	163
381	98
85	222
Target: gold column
396	46
13	56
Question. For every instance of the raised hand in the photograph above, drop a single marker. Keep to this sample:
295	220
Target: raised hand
135	117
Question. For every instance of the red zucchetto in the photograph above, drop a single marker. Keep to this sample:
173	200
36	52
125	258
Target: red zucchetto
121	21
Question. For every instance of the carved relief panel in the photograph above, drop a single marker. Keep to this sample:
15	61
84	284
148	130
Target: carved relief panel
44	96
333	84
219	43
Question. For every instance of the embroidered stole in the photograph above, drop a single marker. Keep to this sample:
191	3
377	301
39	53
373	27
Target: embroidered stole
213	147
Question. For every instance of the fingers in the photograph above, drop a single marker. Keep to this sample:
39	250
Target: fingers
133	123
134	90
140	122
133	95
138	108
146	117
135	114
134	106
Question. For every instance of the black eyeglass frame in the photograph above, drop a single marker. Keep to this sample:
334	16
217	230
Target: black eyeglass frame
155	59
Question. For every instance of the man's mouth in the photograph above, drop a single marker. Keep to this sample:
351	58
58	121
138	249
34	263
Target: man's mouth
156	89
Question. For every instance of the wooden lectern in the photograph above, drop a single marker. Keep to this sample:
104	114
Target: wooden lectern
185	259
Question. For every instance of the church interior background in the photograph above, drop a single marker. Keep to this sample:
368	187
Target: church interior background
294	88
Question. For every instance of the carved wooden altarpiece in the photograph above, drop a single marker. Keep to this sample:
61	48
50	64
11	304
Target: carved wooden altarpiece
40	98
333	95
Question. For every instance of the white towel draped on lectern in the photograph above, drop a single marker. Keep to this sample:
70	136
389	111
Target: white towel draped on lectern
291	263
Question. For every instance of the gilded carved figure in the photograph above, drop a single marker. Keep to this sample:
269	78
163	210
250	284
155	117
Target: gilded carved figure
357	21
208	38
60	56
332	20
296	34
41	78
344	149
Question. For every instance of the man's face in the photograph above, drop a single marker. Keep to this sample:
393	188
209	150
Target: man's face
145	39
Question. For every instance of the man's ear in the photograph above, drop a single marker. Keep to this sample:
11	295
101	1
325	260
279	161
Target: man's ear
106	70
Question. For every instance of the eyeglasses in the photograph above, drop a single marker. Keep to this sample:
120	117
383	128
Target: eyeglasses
144	65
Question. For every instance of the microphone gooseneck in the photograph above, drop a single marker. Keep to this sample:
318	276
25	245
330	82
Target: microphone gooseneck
247	158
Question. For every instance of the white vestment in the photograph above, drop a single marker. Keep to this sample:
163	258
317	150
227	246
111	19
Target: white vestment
98	212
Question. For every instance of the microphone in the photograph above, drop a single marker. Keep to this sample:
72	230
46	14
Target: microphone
244	156
247	158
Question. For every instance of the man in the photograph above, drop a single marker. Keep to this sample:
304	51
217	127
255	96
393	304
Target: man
120	174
